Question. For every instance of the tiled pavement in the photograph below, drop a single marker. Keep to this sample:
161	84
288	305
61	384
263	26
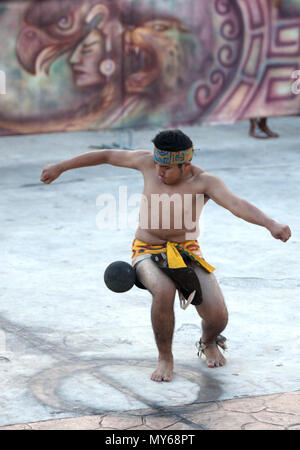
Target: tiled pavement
267	412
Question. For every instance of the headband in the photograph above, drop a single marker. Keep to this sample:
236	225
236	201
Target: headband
173	158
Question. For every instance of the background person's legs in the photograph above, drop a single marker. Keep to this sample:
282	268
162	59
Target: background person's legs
163	291
259	128
262	124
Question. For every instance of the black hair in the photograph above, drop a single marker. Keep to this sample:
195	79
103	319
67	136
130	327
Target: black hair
172	141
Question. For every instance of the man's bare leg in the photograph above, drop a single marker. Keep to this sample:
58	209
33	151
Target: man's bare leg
214	316
162	315
163	320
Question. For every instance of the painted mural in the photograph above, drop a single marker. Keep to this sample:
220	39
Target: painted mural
98	64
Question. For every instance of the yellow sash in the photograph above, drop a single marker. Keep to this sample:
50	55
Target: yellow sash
174	250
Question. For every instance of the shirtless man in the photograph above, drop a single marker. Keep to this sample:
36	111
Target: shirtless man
168	170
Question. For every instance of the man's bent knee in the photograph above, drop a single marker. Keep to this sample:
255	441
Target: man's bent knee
214	313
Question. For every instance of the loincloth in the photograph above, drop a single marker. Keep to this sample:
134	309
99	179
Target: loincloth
174	259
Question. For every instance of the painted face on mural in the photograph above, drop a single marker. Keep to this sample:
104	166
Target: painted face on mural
157	50
97	58
84	60
90	66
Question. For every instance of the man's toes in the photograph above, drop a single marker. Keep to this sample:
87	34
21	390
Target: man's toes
166	378
159	378
156	377
215	363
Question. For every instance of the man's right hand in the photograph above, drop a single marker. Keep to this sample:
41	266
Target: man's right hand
50	173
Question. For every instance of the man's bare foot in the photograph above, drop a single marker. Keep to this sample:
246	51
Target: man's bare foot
214	357
163	371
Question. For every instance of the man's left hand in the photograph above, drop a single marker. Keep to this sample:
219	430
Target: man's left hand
280	231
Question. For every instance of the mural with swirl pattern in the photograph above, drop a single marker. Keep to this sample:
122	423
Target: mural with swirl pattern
103	64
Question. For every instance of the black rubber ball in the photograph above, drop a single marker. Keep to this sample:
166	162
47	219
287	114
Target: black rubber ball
119	276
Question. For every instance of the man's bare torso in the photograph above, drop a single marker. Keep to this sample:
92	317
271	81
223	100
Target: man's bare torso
170	212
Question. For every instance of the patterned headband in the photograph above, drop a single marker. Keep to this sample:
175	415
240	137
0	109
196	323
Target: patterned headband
173	158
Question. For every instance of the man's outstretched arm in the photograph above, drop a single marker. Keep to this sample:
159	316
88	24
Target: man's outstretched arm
123	158
219	192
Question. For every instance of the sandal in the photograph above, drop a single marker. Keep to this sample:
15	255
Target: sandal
220	341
